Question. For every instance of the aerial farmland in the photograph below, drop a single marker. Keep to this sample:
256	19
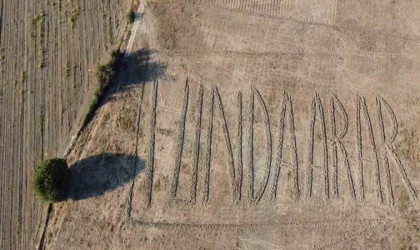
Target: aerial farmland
231	124
48	53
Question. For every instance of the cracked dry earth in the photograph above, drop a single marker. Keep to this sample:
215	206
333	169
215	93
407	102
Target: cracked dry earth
255	125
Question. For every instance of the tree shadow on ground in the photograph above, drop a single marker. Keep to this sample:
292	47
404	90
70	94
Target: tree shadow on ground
102	173
134	69
139	67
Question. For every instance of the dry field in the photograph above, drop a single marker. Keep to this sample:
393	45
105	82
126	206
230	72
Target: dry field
254	125
48	52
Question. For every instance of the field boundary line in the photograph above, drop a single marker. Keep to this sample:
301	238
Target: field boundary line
232	226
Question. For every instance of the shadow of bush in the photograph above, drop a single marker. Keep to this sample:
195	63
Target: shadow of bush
102	173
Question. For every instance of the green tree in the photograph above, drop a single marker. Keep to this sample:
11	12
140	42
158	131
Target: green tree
51	180
130	16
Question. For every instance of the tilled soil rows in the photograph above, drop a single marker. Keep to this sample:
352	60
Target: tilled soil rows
48	54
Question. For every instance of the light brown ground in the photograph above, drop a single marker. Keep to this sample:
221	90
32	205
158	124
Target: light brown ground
331	80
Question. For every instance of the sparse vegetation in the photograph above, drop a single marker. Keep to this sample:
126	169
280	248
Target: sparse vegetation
51	180
126	120
74	14
32	29
68	69
130	16
2	58
110	31
106	74
22	77
73	18
36	36
22	83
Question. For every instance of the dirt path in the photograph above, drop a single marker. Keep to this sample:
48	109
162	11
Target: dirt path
136	28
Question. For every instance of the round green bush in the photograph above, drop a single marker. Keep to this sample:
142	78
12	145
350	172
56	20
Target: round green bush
51	180
130	16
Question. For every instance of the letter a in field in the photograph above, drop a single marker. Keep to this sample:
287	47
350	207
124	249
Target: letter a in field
317	106
286	112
